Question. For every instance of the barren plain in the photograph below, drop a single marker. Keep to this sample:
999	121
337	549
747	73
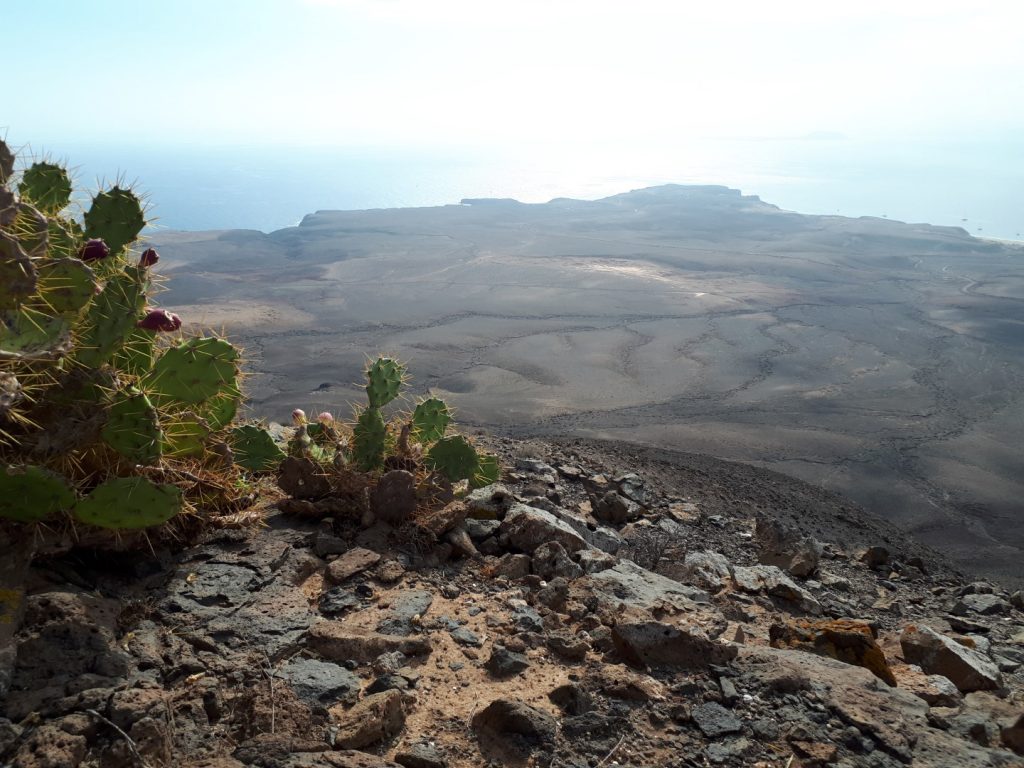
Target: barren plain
875	358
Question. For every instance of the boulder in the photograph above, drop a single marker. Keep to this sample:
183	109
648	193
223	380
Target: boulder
770	580
936	654
528	527
550	560
984	604
707	570
636	587
714	720
509	717
616	509
375	718
349	564
783	546
641	642
847	640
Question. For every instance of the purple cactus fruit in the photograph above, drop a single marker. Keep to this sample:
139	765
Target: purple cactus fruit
159	320
94	250
298	417
325	417
149	258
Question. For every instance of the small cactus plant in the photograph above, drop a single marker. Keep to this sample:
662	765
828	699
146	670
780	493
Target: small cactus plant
100	395
323	459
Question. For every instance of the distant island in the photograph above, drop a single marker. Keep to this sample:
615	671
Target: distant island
876	358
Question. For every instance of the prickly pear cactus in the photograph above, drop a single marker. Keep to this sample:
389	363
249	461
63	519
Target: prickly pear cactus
29	494
127	503
368	439
454	458
430	420
93	394
384	379
255	449
488	471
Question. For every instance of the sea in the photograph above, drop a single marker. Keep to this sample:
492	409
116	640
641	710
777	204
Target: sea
977	184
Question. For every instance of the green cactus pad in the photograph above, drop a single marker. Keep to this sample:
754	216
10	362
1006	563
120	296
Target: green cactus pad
66	285
133	428
32	230
116	217
17	273
46	186
368	439
430	420
220	410
29	494
29	335
383	380
136	354
65	238
255	449
454	458
185	435
194	371
488	471
111	319
129	503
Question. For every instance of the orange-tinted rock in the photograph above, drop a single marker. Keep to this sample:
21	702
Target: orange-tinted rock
847	640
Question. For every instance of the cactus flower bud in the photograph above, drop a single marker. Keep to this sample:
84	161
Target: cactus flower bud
94	250
159	320
298	417
325	417
149	258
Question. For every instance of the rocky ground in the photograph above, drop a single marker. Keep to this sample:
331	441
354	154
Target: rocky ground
604	605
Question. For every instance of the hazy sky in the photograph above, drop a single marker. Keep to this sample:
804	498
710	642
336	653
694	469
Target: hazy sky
401	72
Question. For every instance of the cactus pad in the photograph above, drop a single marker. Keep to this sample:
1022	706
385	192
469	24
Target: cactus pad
46	186
133	429
65	238
185	435
29	493
454	458
488	471
220	410
255	449
127	503
17	273
383	380
110	319
136	354
66	285
116	217
430	420
29	335
32	230
368	439
194	371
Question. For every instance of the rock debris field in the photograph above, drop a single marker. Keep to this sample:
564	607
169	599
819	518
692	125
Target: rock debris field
600	606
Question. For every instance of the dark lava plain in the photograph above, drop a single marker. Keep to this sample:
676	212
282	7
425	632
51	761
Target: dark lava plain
878	359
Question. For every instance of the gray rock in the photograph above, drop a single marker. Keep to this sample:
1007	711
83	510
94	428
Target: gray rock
349	564
937	654
875	557
628	583
527	528
641	642
491	502
508	717
783	546
568	645
420	756
332	640
524	617
985	604
464	636
770	580
708	570
388	682
504	663
616	509
336	601
634	488
714	720
594	561
325	543
1017	600
510	566
479	530
407	607
550	560
555	594
320	683
602	537
373	719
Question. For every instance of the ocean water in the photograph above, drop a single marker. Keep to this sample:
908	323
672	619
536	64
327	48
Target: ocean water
978	184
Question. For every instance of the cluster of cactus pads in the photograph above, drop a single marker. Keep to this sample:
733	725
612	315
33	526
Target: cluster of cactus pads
109	416
326	458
